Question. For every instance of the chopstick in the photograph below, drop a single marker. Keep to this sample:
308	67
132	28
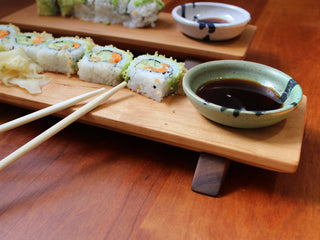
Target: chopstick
59	126
47	111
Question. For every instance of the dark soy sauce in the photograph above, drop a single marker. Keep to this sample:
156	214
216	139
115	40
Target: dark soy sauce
239	94
213	20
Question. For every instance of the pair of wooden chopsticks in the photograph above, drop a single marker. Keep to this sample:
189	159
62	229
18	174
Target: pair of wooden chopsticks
58	126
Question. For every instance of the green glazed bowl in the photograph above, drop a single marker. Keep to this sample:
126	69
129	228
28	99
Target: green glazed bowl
288	89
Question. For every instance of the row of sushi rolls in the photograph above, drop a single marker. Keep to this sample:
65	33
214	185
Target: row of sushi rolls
130	13
151	75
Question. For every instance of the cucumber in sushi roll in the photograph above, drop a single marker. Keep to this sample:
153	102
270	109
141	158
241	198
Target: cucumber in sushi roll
7	32
104	65
47	7
154	76
62	54
31	42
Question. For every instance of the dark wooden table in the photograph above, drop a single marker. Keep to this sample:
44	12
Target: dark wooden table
92	183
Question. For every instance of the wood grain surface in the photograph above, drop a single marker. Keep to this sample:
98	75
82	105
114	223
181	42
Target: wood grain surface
89	182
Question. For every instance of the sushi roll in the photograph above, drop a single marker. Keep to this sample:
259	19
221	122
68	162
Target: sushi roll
154	76
31	42
84	9
143	13
121	6
62	54
47	7
130	13
66	7
7	32
104	65
111	11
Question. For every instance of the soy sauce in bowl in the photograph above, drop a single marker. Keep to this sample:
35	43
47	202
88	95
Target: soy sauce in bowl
240	94
213	20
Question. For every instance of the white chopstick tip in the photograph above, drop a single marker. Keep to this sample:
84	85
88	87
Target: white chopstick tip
122	84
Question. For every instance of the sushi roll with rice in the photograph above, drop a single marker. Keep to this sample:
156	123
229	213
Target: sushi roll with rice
154	76
130	13
84	9
66	7
62	54
7	33
143	13
104	65
121	6
111	11
47	7
31	42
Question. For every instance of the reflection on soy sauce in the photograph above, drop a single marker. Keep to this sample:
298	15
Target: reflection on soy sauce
212	20
240	94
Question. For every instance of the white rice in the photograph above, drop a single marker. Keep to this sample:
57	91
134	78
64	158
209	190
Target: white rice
106	12
149	84
85	11
143	15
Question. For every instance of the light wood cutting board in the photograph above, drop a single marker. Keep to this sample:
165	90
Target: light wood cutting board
176	122
165	37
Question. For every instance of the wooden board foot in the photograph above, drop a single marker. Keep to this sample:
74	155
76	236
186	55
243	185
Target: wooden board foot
209	174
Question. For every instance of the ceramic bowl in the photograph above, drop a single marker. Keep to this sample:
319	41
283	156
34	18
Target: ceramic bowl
289	91
190	20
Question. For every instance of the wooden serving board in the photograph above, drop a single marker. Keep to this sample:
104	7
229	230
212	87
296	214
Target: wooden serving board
176	122
165	37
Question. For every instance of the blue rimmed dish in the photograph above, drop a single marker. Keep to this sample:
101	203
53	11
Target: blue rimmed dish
211	21
289	92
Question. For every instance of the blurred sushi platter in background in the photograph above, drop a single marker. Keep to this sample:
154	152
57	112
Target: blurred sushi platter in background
164	37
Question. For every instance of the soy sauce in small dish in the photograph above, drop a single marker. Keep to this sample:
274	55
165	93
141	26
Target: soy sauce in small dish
239	94
213	20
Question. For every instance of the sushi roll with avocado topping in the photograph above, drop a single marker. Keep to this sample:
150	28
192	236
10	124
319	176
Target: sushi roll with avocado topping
31	42
143	13
154	76
47	7
104	65
62	54
130	13
7	33
66	7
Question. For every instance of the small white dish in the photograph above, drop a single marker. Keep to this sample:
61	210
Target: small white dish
191	19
